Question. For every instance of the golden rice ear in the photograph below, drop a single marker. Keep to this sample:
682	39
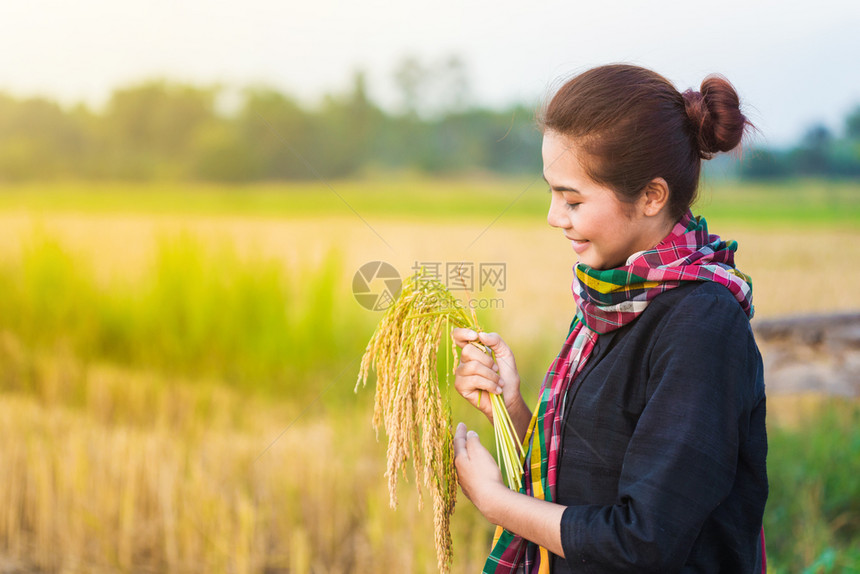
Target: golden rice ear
411	407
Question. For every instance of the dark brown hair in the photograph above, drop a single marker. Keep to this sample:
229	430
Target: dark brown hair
632	126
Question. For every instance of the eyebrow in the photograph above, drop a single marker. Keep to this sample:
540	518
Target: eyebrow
561	187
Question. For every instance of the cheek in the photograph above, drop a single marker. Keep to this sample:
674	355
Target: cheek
608	221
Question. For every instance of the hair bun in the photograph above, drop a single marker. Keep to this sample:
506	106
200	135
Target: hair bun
715	116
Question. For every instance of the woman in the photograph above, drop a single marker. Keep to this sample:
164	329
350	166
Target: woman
646	452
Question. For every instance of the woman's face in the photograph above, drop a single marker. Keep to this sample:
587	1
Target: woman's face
604	230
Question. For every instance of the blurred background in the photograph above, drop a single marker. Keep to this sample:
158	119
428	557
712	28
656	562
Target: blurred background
188	192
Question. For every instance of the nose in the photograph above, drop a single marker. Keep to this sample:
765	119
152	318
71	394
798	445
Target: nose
556	216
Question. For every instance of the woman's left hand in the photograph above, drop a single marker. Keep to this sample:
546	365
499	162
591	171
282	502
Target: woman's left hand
477	471
481	481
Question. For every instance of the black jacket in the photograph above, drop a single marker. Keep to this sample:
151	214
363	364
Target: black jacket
662	462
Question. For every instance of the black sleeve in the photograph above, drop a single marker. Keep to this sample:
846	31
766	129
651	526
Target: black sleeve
681	459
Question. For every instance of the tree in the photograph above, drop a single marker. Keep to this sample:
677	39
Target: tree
454	91
410	78
150	128
38	139
278	133
852	125
764	164
348	134
812	157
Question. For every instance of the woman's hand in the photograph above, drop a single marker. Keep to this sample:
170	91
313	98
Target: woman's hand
481	481
477	472
478	374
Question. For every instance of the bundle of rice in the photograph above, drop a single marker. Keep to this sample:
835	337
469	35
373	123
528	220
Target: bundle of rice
414	411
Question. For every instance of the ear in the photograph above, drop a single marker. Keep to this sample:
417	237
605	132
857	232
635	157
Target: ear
655	196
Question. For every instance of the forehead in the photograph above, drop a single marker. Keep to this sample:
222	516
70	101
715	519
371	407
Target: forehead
560	161
553	140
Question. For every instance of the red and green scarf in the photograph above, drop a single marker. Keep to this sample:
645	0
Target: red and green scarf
607	300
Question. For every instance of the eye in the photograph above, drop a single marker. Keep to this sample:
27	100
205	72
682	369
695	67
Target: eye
570	204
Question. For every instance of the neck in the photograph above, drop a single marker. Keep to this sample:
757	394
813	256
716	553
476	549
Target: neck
657	231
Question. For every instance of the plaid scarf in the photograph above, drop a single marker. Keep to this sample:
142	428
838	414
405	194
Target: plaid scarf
607	300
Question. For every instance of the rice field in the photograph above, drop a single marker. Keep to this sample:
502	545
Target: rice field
177	369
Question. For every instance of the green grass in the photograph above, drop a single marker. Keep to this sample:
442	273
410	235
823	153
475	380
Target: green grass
812	519
386	198
198	311
808	203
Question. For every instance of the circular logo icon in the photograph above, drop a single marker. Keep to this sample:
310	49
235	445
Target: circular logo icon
376	285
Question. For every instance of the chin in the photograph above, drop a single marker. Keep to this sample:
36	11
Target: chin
599	265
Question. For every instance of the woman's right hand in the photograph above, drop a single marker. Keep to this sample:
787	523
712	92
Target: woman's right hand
478	374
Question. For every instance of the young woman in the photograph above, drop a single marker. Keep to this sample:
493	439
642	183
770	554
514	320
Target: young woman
646	451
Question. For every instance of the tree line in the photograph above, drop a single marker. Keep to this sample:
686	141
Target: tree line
158	130
820	153
166	130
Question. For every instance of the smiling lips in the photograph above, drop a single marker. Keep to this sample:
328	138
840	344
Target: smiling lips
579	245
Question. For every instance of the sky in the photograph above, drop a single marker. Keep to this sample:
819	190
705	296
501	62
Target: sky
793	66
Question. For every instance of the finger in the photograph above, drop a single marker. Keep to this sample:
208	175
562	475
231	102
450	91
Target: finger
472	442
470	378
460	441
472	390
492	340
473	353
480	456
463	336
476	369
501	350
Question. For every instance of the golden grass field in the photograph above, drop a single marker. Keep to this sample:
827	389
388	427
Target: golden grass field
109	468
143	474
793	270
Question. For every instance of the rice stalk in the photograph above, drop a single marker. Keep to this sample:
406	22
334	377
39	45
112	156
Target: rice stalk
414	411
511	457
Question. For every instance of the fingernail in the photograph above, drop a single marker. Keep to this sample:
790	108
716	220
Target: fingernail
498	390
472	433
